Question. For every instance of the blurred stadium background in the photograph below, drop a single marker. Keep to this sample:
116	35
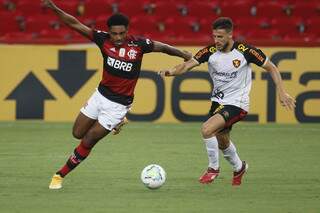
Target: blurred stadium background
40	57
274	22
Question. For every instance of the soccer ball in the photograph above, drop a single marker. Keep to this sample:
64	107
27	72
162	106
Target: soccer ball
153	176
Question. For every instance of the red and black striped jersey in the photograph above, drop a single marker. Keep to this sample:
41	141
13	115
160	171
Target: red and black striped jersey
121	65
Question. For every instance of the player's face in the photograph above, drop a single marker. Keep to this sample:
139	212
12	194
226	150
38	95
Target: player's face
118	34
221	38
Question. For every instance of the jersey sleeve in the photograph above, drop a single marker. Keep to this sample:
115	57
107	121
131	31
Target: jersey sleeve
146	44
203	55
99	37
255	56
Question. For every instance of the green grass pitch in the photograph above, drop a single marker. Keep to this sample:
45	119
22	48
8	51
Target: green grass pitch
283	174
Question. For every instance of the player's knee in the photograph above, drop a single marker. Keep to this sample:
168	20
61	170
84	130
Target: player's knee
207	131
76	134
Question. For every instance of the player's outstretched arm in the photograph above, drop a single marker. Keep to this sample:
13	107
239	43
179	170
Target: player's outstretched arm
180	69
170	50
68	19
285	99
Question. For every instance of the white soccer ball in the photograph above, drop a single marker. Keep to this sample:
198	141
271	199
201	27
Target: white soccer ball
153	176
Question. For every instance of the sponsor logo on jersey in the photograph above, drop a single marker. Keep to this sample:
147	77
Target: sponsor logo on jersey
257	55
132	54
120	65
242	48
228	75
132	44
212	49
122	52
201	53
236	63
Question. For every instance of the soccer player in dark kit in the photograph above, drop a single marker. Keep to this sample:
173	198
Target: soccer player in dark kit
106	109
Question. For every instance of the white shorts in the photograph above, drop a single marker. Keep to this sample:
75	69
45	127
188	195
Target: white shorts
108	113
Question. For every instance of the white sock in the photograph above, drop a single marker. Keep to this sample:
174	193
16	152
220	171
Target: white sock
231	155
213	152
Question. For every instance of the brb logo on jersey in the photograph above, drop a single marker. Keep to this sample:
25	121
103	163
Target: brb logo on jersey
120	65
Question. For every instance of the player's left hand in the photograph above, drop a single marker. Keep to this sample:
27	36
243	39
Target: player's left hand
287	101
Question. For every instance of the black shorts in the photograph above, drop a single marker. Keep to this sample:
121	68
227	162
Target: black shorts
230	113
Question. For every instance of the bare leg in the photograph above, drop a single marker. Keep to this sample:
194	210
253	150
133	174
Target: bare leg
94	134
209	131
81	125
81	152
212	126
224	139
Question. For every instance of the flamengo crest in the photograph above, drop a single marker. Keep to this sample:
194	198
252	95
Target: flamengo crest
132	54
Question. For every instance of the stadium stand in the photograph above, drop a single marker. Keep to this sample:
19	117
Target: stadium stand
274	22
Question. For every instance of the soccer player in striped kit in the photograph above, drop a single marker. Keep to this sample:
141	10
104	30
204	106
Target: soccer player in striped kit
106	109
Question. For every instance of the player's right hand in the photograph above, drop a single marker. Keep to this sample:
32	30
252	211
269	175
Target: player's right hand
48	3
164	73
287	101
